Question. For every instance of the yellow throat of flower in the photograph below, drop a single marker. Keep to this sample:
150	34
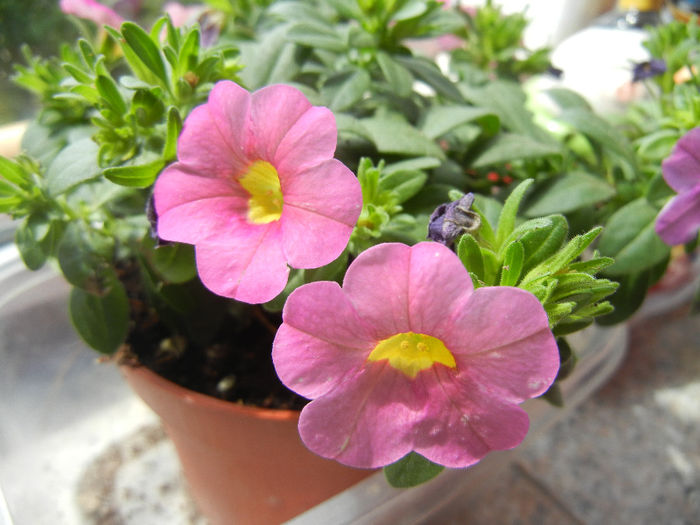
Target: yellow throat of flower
263	184
410	353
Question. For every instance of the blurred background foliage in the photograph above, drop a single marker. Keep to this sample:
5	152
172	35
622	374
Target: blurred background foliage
39	24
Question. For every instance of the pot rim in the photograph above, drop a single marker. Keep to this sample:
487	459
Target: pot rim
191	397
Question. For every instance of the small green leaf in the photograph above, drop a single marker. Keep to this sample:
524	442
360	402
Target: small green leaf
346	89
405	184
76	163
27	240
175	262
506	221
568	193
411	470
567	99
145	49
469	253
398	77
562	258
512	264
12	172
630	239
272	59
316	35
438	120
393	135
174	129
102	319
600	131
429	73
83	254
506	147
541	238
135	176
110	93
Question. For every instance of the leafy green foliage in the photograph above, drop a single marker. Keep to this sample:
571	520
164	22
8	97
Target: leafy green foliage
411	470
536	256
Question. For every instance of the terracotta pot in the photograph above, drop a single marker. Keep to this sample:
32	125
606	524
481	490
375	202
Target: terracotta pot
243	464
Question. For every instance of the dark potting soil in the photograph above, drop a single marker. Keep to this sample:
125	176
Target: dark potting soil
233	362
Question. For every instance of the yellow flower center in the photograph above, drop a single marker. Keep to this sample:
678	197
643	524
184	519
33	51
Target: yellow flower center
410	353
263	184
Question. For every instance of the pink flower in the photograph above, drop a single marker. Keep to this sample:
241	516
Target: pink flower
407	356
91	10
679	220
256	188
182	15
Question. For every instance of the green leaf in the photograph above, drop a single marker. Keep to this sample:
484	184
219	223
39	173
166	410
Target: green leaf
27	240
506	147
506	221
344	90
110	93
393	135
630	239
405	184
270	60
333	271
145	49
174	129
102	320
469	253
76	163
600	131
512	264
175	262
567	99
508	101
429	73
628	298
541	238
399	78
568	193
12	172
562	258
411	470
438	120
83	255
135	176
316	35
419	163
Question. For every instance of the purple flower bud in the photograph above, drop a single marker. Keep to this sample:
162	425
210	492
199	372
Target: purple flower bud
452	219
648	69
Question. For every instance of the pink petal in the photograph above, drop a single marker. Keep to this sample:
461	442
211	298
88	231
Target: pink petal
310	141
321	340
274	110
397	288
204	149
462	424
321	207
229	108
502	341
247	264
682	169
366	422
191	208
92	10
679	220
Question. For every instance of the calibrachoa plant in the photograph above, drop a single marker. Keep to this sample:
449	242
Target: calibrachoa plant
413	359
256	188
200	190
